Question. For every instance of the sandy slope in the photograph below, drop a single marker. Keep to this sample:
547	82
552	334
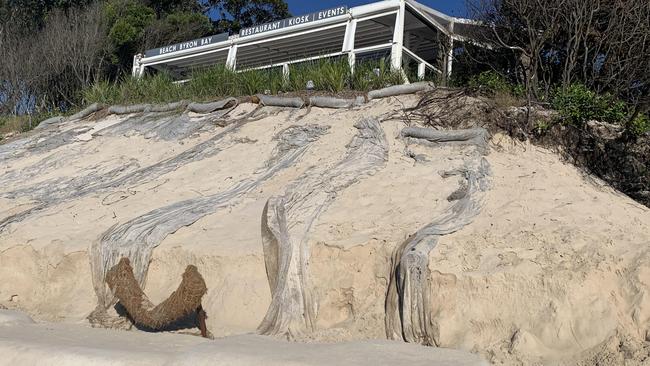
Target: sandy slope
555	269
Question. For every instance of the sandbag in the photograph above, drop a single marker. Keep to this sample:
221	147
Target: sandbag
400	90
128	109
472	136
87	111
168	107
330	102
272	101
204	108
287	219
49	122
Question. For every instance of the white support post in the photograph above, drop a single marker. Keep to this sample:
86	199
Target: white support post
348	42
352	60
422	70
449	59
285	73
231	61
449	56
137	69
398	38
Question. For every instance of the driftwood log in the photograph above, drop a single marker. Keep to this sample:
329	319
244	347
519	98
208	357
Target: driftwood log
181	303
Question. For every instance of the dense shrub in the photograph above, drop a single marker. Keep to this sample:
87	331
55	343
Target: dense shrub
176	27
491	82
578	104
639	125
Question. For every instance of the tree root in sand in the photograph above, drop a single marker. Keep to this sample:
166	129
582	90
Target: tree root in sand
181	303
136	238
408	301
286	222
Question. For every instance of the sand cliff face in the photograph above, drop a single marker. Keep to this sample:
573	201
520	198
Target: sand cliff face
553	268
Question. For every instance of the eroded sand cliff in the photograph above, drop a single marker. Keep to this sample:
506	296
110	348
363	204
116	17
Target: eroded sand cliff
553	268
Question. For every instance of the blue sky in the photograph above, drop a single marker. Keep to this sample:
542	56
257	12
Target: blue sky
297	7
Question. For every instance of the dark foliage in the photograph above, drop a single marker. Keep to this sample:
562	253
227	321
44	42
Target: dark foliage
237	14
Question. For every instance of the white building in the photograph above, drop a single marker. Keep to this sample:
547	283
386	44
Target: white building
410	34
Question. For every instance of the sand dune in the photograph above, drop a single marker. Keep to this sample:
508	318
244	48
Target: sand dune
553	267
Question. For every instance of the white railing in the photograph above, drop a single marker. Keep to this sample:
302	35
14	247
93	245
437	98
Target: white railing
422	65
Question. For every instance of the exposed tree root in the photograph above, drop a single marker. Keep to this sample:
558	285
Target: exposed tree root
286	222
408	301
137	237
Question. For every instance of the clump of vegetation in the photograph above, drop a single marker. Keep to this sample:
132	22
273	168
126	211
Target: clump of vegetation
22	123
639	125
578	104
326	74
375	74
51	51
218	81
491	82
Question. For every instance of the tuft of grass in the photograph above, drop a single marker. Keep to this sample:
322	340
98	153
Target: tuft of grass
640	125
10	124
260	82
375	74
23	123
213	81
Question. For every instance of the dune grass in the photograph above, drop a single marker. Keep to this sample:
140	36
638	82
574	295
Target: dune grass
328	75
331	75
10	124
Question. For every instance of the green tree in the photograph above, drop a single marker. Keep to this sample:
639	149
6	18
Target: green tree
28	15
237	14
176	27
163	7
127	20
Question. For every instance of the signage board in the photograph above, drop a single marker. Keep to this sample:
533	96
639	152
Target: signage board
290	22
186	45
